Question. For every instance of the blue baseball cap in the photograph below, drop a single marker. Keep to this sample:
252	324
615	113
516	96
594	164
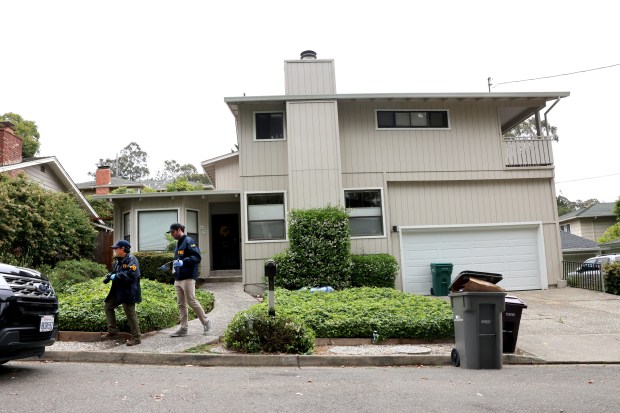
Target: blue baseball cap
121	243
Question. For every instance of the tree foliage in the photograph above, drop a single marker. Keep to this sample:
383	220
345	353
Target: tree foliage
130	163
183	185
38	226
565	205
104	209
173	170
611	234
27	130
528	129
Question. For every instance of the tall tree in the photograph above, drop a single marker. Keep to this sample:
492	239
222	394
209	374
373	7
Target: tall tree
27	130
130	163
528	129
173	170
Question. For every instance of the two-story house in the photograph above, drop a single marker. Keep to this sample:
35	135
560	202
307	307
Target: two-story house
427	177
589	222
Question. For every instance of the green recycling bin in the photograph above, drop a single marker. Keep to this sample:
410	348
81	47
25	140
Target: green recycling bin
441	273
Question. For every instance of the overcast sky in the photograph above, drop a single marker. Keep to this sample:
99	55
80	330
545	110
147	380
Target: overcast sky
97	75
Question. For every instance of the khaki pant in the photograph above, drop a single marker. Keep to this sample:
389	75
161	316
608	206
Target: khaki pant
130	313
186	296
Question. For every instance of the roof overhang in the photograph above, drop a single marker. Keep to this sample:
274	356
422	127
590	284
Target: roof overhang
170	195
521	106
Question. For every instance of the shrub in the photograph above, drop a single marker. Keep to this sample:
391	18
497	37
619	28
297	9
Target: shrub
40	226
319	250
254	331
68	273
612	278
150	262
374	270
357	312
81	307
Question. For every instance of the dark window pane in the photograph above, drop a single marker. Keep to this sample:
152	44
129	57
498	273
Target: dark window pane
269	126
439	119
386	119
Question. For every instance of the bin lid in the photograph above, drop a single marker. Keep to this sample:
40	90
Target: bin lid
464	277
441	263
515	301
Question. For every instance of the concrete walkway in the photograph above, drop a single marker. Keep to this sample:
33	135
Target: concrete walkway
564	325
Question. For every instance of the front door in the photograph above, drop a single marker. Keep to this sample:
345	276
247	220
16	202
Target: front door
225	241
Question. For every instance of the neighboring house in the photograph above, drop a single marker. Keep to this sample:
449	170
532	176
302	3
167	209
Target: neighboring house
49	174
611	247
427	177
578	249
590	222
105	183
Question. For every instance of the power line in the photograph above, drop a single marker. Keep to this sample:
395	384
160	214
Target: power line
547	77
584	179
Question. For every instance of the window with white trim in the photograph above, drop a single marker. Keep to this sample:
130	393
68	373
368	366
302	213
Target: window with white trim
268	126
152	227
127	227
412	119
191	224
565	228
365	208
266	216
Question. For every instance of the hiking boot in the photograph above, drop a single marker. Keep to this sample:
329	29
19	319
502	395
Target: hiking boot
179	333
109	336
133	342
207	326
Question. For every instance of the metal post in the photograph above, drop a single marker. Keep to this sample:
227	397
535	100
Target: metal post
270	273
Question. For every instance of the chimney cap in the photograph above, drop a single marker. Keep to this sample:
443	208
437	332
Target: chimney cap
308	55
103	167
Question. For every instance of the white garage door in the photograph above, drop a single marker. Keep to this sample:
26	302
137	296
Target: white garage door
513	251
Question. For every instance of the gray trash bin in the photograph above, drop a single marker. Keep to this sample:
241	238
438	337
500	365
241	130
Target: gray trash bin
477	323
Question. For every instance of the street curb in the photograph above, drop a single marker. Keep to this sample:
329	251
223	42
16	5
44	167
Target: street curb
261	360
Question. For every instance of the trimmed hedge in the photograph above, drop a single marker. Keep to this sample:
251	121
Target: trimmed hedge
68	273
81	307
374	270
254	331
319	250
357	312
150	263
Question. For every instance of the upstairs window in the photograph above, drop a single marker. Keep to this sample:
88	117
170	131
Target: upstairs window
269	125
266	217
565	228
412	119
365	212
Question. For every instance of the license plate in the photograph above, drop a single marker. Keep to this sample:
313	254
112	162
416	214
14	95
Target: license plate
47	323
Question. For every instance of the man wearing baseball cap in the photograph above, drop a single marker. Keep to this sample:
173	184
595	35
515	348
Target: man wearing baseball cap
125	291
186	259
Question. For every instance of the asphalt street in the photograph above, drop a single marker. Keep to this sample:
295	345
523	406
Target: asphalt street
31	386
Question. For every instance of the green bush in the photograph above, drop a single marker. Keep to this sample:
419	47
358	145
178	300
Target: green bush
81	307
68	273
319	250
612	278
42	227
150	262
357	312
374	270
254	331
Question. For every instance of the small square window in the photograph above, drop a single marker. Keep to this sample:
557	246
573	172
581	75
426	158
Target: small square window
365	212
266	217
269	126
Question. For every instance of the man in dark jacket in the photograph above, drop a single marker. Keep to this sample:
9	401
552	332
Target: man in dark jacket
185	265
125	291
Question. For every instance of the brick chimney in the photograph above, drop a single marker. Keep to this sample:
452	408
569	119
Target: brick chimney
10	145
103	179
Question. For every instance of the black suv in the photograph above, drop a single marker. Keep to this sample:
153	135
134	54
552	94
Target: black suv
28	313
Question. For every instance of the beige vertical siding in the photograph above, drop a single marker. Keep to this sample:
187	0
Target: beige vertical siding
313	154
309	77
45	177
227	174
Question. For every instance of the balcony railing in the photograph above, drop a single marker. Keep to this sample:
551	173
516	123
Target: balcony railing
528	152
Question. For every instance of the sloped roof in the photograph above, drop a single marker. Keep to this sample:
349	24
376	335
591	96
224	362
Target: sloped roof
601	209
575	242
115	183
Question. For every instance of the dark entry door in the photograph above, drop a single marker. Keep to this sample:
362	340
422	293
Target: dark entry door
225	241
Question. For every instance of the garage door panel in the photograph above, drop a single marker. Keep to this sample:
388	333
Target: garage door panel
511	251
